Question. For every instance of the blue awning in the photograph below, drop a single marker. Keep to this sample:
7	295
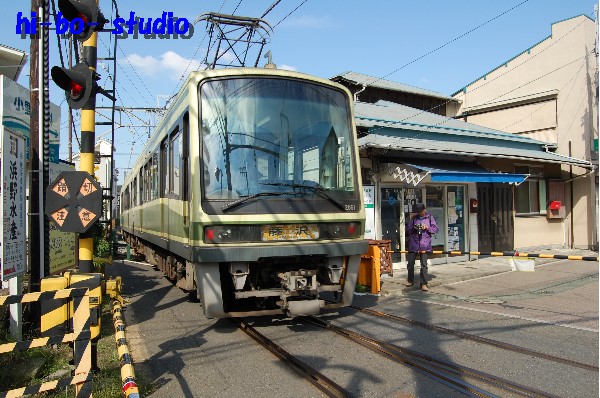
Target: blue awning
458	172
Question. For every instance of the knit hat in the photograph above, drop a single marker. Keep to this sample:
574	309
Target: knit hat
420	207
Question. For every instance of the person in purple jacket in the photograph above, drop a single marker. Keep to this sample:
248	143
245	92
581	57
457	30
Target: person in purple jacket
419	231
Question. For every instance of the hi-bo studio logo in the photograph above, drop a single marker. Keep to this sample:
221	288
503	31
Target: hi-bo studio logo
165	27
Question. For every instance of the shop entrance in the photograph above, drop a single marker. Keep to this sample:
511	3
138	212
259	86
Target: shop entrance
495	217
444	202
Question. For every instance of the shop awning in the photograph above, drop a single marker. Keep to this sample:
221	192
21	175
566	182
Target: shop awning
414	173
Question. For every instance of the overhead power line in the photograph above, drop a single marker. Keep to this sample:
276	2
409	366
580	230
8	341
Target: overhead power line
264	14
428	128
291	12
488	81
448	42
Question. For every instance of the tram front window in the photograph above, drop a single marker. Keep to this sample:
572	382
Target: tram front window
267	135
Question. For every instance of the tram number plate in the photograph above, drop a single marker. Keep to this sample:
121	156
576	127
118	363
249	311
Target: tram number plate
290	232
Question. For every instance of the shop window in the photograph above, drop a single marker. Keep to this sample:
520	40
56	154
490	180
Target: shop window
434	200
391	201
455	208
530	195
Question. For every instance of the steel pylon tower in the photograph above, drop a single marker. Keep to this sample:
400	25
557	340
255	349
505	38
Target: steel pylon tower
232	37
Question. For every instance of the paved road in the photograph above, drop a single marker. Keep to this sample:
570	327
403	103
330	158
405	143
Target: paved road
554	310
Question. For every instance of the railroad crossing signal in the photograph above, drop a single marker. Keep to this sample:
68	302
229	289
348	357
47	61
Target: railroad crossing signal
84	16
74	201
79	83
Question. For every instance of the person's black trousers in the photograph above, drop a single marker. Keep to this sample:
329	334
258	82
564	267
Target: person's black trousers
411	267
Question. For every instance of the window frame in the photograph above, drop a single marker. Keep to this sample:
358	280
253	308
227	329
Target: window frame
175	181
536	185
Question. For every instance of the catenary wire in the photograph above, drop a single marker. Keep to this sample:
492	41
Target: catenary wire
446	119
482	85
450	42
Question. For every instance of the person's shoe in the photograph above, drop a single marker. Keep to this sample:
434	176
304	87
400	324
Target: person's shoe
424	288
408	284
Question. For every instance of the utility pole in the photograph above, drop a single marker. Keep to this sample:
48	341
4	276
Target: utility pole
34	162
70	112
594	189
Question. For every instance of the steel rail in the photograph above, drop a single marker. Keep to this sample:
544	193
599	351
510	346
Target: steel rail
454	383
322	382
479	339
428	365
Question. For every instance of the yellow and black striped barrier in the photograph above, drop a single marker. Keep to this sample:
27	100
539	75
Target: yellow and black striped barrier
57	314
80	337
502	254
130	389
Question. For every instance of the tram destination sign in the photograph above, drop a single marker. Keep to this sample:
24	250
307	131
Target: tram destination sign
74	201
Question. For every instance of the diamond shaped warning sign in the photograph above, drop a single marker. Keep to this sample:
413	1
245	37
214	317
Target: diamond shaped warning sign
61	188
74	201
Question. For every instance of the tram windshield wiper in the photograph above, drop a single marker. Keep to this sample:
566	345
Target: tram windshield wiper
319	190
245	199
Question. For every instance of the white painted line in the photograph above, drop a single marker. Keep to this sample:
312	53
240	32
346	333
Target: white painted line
505	315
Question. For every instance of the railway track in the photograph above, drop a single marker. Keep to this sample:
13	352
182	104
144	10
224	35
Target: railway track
478	339
448	373
322	382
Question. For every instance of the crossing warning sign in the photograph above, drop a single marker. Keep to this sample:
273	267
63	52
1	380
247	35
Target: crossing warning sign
74	201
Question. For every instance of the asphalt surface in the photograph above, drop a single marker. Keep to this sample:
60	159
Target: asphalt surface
443	274
553	309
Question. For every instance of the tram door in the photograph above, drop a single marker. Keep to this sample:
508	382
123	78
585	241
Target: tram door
495	217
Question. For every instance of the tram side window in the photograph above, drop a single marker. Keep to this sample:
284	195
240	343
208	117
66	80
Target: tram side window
145	184
134	191
154	174
164	172
175	164
148	178
125	200
185	158
141	187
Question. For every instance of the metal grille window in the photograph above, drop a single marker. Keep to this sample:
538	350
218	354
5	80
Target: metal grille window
530	196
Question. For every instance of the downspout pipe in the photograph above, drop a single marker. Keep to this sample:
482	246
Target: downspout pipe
364	87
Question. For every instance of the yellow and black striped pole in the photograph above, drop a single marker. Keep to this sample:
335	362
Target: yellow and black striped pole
503	254
130	388
88	140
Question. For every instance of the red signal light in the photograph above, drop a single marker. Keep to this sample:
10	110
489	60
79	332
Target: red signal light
78	83
85	19
76	89
85	10
210	235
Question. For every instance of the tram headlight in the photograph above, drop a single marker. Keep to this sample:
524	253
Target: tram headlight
342	230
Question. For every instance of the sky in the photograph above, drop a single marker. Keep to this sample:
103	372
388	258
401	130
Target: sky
435	45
